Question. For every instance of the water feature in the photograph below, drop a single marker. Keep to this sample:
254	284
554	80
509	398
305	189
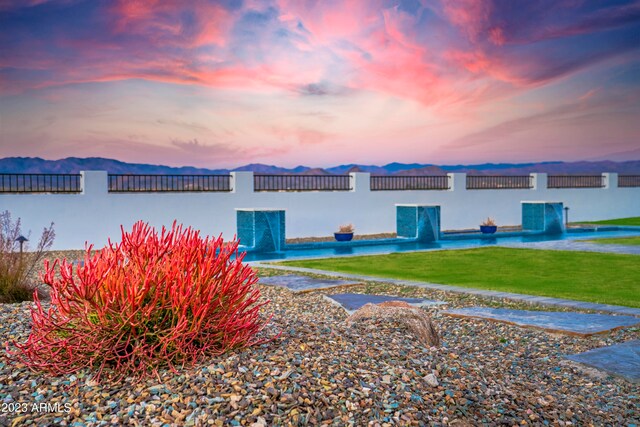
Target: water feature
420	222
261	230
262	233
554	218
447	241
543	216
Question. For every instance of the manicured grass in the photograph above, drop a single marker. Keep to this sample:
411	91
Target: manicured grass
583	276
618	221
634	241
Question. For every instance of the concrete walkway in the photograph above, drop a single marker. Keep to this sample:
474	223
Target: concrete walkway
576	245
546	301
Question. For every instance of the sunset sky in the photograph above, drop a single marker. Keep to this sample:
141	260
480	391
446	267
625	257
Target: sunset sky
320	83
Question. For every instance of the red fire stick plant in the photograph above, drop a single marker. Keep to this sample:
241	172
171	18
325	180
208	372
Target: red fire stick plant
150	301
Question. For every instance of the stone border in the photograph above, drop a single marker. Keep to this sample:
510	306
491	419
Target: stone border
574	333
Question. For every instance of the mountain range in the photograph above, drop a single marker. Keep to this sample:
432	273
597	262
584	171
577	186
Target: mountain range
75	165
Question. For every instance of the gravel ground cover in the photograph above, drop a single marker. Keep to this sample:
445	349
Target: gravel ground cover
322	372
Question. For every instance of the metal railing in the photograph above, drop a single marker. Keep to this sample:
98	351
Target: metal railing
575	181
481	182
628	180
168	183
302	183
382	183
39	183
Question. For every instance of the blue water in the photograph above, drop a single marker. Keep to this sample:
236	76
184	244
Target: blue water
457	241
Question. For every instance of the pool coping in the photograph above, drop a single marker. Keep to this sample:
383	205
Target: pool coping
531	299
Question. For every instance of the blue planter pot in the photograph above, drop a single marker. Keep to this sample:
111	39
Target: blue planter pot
488	229
343	237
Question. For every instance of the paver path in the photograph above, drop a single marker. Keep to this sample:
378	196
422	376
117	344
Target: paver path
583	324
620	359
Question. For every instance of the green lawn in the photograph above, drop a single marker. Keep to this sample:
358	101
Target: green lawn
634	241
584	276
618	221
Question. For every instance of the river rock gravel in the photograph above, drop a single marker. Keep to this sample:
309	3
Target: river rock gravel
322	371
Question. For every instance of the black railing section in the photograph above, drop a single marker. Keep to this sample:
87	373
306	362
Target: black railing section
302	182
39	183
575	181
481	182
168	183
628	180
395	183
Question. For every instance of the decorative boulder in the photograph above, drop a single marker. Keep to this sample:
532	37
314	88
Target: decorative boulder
414	319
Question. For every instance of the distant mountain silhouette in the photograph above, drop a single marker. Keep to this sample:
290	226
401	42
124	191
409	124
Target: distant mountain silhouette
315	171
426	170
75	165
498	166
401	167
343	169
556	168
261	168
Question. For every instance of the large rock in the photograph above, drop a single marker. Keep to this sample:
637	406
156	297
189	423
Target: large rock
414	319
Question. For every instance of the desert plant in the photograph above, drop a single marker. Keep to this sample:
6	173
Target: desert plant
489	222
17	267
152	300
347	228
414	319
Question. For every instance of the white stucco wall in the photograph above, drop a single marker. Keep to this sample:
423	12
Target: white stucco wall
95	215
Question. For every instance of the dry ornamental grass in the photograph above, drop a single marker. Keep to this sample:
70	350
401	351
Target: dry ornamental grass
412	318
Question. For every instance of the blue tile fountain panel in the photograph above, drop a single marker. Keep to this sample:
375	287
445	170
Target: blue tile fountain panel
352	302
543	216
565	322
261	230
421	222
622	360
532	216
406	221
246	227
304	283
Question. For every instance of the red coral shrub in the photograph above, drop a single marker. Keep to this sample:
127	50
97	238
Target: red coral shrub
149	301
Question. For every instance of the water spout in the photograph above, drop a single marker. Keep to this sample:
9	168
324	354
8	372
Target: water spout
554	223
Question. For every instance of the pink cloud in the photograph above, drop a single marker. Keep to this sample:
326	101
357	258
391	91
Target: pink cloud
335	20
159	21
471	16
335	47
497	36
378	46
